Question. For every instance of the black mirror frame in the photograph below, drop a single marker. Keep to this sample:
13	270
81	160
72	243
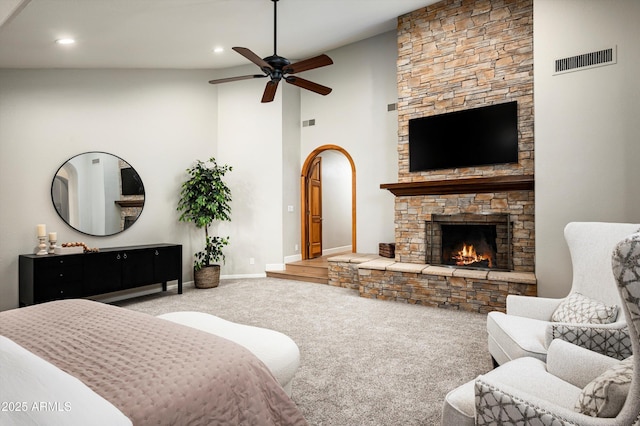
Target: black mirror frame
125	201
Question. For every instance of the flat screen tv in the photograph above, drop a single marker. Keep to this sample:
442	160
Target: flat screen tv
131	182
473	137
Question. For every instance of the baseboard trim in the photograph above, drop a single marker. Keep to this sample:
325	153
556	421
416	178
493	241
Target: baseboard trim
274	267
293	258
238	276
336	250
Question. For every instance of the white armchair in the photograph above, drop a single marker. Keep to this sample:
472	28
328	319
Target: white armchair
527	329
527	391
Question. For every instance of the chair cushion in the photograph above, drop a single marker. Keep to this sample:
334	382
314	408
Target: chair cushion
605	395
531	376
580	309
459	406
526	374
516	336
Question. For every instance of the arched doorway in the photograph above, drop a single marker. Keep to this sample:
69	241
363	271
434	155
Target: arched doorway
306	197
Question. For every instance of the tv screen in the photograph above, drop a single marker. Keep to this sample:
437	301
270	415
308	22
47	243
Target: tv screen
473	137
131	182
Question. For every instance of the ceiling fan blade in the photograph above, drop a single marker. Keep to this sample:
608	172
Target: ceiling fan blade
270	91
253	57
309	85
242	77
308	64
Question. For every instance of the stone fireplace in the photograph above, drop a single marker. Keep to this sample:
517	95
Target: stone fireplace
455	55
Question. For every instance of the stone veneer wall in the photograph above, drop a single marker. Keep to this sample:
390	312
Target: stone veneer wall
455	55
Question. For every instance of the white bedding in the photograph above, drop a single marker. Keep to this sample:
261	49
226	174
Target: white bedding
35	392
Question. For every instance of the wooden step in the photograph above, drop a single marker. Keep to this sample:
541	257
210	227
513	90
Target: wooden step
298	276
308	269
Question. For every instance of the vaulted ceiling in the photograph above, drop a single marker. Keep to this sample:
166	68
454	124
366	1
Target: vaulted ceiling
183	33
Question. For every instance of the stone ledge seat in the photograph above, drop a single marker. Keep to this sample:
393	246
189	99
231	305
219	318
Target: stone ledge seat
276	350
476	290
374	262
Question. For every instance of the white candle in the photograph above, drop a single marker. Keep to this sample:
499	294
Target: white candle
53	236
42	230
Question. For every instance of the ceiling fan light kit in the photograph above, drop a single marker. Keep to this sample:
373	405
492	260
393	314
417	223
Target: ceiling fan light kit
278	68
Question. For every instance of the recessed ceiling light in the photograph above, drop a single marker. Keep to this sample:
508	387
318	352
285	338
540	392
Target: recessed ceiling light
218	50
65	41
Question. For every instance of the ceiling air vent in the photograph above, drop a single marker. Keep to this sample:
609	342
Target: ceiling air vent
586	61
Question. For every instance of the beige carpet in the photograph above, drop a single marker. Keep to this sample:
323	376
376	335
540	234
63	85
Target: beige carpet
363	362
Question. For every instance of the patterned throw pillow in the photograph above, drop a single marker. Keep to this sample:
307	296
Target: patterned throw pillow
580	309
605	395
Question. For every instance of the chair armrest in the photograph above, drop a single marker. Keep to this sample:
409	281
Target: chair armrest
497	403
540	308
607	339
575	364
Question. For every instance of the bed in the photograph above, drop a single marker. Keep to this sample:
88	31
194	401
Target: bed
133	368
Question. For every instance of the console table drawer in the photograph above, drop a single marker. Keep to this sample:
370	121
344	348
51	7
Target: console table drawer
59	290
59	270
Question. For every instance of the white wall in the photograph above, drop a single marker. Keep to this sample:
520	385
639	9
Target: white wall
354	116
250	138
587	148
291	172
158	121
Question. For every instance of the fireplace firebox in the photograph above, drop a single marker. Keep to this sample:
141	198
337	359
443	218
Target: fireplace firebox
475	241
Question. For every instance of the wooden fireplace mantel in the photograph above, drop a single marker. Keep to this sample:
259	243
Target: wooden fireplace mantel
462	186
130	203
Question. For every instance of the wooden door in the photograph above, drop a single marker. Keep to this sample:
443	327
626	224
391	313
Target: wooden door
314	218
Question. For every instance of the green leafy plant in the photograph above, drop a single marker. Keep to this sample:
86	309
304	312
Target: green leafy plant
205	198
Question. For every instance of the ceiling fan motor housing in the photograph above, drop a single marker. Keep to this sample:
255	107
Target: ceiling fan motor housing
278	63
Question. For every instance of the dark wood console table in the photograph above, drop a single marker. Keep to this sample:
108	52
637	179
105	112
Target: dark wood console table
65	276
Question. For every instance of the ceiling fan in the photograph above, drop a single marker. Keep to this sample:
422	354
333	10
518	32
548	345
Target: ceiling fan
278	68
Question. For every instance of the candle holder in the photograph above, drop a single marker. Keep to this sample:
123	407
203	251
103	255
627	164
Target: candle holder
52	246
42	247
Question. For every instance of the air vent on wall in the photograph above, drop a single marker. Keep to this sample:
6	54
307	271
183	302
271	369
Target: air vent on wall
307	123
586	61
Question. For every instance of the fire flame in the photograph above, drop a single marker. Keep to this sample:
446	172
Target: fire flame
468	256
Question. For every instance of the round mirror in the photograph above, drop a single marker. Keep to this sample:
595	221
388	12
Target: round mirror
97	193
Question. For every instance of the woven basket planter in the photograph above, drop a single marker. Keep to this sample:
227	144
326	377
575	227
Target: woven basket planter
207	276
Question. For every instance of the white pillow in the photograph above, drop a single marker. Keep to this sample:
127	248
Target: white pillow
605	395
580	309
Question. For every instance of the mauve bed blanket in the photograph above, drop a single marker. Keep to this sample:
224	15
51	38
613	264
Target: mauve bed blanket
154	371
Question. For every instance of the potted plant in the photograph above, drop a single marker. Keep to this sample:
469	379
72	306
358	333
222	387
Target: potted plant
205	198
